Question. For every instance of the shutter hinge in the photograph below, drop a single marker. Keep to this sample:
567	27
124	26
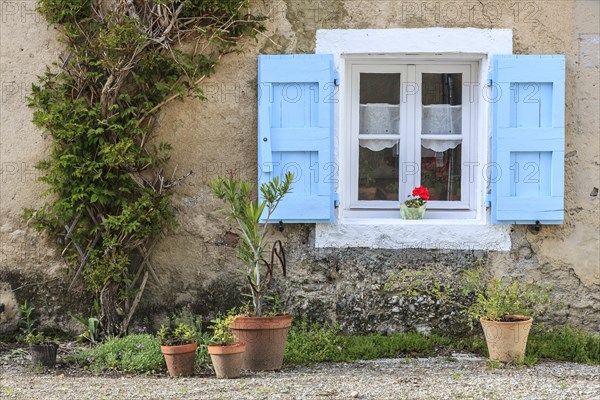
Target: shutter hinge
336	78
336	200
488	200
489	79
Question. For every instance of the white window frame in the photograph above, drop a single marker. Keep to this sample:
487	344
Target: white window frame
395	233
410	69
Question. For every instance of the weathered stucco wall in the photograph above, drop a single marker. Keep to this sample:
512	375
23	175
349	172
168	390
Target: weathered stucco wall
217	135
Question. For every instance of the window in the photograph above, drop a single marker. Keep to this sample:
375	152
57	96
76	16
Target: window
411	123
426	106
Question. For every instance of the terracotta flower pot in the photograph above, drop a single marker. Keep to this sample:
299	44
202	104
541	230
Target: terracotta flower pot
506	341
227	360
43	354
180	359
264	338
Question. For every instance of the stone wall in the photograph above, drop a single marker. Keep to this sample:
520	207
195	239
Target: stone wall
344	285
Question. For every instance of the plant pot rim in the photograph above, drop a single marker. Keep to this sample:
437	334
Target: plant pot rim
416	208
250	323
31	346
182	348
234	348
520	319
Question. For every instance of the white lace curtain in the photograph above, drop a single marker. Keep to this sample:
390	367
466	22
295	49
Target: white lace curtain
438	119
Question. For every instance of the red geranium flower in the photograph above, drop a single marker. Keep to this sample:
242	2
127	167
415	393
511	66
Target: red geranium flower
422	192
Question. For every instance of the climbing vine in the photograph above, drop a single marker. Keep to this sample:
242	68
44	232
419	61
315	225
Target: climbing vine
109	196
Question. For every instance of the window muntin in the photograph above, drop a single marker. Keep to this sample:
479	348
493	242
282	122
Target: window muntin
425	139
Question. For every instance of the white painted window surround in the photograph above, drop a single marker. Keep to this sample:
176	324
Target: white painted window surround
430	44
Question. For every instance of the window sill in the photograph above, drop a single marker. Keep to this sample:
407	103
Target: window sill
405	234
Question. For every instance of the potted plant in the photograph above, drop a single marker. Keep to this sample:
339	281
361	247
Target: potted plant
414	206
225	351
505	312
264	335
42	349
178	346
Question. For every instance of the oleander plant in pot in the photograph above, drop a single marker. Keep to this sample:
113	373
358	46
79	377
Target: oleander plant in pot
505	311
42	348
414	207
264	335
226	352
178	345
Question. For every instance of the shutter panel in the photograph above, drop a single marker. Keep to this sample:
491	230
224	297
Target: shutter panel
528	139
295	133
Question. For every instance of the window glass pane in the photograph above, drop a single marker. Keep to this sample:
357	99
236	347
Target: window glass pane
378	173
380	88
379	104
442	109
441	173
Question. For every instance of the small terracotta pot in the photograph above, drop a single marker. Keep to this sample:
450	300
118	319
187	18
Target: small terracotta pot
265	339
180	359
506	341
227	360
43	354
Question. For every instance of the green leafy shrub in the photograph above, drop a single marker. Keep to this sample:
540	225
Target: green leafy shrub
309	342
221	333
134	353
180	335
476	294
565	344
40	338
494	300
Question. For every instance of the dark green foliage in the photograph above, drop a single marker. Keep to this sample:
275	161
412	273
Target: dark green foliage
133	353
110	200
313	342
566	344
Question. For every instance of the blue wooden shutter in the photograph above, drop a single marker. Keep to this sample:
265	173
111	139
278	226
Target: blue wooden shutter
295	133
528	139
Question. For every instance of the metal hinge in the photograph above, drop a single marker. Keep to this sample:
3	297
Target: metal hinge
336	78
336	200
488	200
489	79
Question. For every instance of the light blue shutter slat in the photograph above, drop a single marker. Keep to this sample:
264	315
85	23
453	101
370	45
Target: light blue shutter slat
528	139
295	133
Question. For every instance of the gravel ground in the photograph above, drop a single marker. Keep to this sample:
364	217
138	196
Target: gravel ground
457	377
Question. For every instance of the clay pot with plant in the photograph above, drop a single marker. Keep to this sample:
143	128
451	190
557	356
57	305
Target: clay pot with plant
42	349
264	335
178	345
505	311
225	350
